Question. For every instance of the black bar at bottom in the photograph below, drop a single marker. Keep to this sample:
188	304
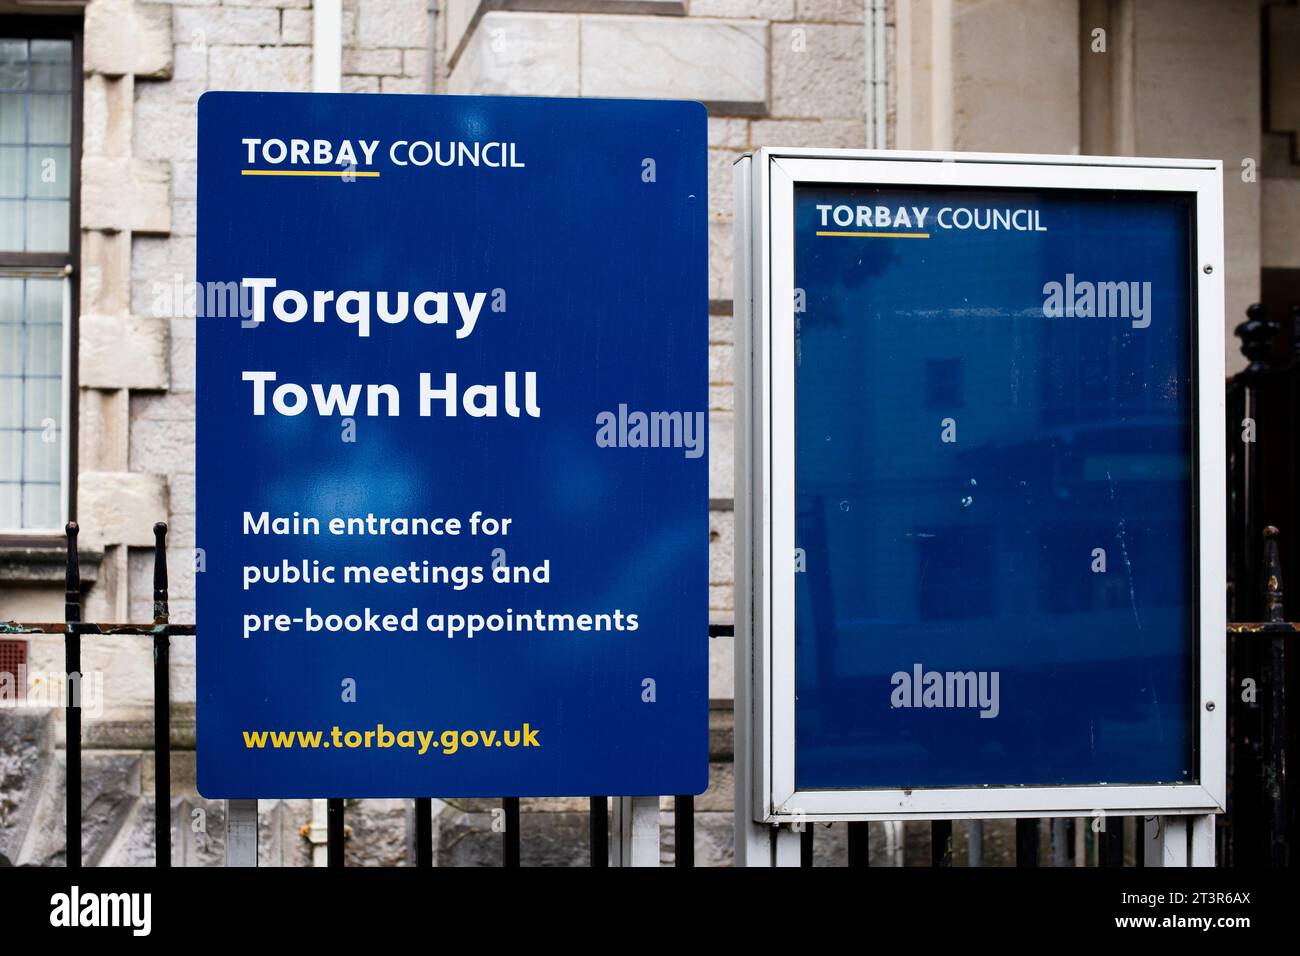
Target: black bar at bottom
684	830
941	843
510	839
1027	842
424	831
859	844
806	845
599	831
334	833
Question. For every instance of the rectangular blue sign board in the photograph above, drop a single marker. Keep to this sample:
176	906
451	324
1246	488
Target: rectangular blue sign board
452	452
986	395
995	410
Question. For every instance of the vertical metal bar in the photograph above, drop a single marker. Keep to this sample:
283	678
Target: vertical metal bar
241	833
1201	840
334	833
1111	851
599	832
807	840
636	840
1027	842
162	753
1275	720
510	839
1060	841
975	836
684	830
72	712
1152	839
424	831
941	843
859	843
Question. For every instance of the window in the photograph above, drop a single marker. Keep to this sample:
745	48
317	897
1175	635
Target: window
39	154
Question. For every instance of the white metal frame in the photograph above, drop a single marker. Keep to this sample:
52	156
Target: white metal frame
765	614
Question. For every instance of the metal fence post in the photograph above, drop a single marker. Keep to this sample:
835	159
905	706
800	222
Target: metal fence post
1027	842
510	838
859	843
599	836
72	709
941	843
334	833
162	754
683	830
636	832
241	833
424	831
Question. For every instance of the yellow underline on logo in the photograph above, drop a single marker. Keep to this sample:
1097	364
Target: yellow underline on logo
302	172
880	235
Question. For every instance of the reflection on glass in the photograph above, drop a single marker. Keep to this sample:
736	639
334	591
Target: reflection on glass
31	402
47	225
964	463
35	138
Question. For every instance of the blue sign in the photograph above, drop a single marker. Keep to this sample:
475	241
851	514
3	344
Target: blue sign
452	461
995	489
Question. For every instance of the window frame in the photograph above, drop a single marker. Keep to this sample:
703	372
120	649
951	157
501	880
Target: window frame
54	264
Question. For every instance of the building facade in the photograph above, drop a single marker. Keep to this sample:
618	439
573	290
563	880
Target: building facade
97	249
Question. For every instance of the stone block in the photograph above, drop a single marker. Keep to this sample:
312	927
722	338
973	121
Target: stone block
120	507
382	833
107	115
162	447
721	63
752	9
722	662
26	759
126	38
278	69
126	195
391	22
835	134
296	27
722	254
166	120
372	62
729	132
224	25
110	793
521	54
402	84
722	441
722	545
123	351
834	11
818	71
468	839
